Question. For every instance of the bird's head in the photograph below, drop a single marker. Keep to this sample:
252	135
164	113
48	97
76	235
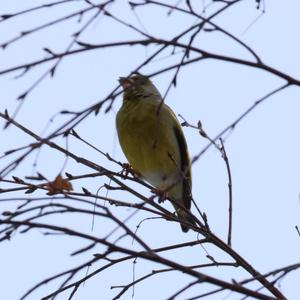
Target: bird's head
137	86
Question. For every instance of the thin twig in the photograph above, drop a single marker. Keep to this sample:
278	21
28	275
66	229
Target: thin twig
225	157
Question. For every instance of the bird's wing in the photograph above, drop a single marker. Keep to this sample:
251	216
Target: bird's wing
185	164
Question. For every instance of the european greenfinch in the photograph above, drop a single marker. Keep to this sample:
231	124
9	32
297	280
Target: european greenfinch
154	145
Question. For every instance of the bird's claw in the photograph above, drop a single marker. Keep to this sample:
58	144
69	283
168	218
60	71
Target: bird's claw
127	169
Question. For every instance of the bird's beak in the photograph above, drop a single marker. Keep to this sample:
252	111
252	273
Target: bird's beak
125	82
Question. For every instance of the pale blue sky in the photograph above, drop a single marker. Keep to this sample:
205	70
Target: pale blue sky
263	150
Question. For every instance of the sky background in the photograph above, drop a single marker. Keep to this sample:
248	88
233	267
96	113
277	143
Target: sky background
263	150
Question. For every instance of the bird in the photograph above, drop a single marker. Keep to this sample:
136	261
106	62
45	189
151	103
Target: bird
153	142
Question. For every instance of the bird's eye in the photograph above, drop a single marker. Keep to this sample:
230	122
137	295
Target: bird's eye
138	80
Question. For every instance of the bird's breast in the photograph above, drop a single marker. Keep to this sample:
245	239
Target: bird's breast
147	142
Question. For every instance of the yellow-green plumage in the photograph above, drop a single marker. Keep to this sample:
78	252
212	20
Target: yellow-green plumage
153	142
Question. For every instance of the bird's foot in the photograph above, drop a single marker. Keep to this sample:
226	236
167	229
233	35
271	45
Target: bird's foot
127	169
161	194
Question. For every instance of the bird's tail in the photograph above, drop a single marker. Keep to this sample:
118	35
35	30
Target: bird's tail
186	217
